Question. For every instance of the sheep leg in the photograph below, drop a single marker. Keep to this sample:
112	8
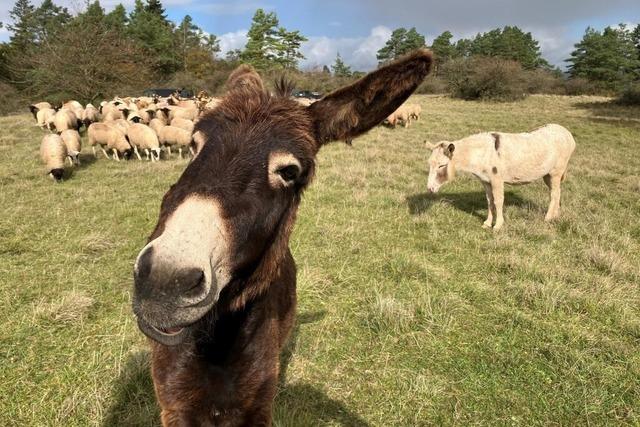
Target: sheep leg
135	150
180	152
497	190
115	155
193	153
105	153
553	182
95	154
491	207
169	150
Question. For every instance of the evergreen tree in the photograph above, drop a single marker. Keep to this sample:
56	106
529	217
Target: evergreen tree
401	42
443	49
49	18
260	47
340	69
609	57
155	7
509	43
117	19
270	45
23	26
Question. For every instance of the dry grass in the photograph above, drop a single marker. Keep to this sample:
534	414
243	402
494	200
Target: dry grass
409	312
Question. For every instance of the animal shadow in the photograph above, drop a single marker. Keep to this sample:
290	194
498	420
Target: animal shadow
471	202
134	403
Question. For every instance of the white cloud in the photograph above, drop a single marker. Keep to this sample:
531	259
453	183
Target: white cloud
357	52
237	8
231	41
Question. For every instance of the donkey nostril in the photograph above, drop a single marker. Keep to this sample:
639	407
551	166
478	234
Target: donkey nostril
143	265
190	280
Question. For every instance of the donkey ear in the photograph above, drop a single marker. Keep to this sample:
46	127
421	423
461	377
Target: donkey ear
245	77
354	109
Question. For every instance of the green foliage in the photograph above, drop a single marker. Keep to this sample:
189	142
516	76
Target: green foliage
631	95
400	42
23	26
510	43
340	69
486	79
270	45
117	19
443	49
609	57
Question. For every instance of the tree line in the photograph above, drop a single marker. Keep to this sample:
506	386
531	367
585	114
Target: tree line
96	54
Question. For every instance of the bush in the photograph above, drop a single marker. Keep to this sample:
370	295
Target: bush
580	86
544	82
631	95
12	100
485	78
433	85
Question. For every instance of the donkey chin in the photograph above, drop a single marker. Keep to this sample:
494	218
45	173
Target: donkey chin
168	301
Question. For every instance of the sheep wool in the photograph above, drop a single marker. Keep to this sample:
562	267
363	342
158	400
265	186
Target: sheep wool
53	153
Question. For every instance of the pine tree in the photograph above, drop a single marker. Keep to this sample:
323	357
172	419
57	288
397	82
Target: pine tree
23	26
609	57
155	7
401	42
443	49
340	69
288	48
117	18
48	18
509	43
259	50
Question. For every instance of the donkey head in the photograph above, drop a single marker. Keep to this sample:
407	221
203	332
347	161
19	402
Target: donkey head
224	226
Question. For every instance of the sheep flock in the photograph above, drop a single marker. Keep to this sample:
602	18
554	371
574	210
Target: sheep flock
135	126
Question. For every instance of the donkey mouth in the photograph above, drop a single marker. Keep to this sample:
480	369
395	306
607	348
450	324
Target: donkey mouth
168	336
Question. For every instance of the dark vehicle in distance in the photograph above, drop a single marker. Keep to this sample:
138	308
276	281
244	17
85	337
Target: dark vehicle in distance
164	92
307	94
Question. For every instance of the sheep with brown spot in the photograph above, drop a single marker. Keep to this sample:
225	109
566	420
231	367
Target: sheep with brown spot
53	153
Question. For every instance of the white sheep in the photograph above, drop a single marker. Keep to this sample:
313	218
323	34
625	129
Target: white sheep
90	115
143	137
34	108
72	141
112	137
53	153
63	119
44	116
183	124
171	135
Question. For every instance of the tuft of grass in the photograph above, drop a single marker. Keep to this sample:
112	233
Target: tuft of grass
409	313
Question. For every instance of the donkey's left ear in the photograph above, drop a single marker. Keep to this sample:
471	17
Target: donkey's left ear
354	109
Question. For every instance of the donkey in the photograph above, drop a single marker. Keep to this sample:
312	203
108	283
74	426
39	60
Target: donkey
215	286
499	158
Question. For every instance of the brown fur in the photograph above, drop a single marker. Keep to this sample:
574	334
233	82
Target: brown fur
225	372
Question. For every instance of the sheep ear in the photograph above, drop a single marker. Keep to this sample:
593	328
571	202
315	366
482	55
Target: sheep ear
448	151
353	110
430	146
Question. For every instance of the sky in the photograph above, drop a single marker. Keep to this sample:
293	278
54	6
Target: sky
358	28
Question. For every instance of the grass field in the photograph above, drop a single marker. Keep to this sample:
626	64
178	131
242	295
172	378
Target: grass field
409	312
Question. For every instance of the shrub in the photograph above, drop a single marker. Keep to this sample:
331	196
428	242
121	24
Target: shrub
485	78
545	82
433	84
13	101
631	95
580	86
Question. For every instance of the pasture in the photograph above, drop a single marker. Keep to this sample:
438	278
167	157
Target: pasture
409	313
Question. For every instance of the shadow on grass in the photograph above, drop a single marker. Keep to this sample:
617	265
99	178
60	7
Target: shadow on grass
474	203
295	404
612	112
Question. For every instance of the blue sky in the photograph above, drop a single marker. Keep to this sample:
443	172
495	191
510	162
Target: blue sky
358	28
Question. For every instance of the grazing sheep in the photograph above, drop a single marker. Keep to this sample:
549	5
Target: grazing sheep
72	141
121	124
90	115
62	120
414	110
498	158
44	116
53	153
143	137
171	135
34	108
162	113
401	115
111	111
156	124
112	137
185	124
183	113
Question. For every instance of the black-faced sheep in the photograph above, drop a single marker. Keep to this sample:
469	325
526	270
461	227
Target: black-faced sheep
110	136
171	135
144	138
53	153
72	141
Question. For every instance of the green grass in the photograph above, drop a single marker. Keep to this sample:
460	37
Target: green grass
409	312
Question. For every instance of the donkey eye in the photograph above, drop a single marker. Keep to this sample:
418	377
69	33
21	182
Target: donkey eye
289	173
